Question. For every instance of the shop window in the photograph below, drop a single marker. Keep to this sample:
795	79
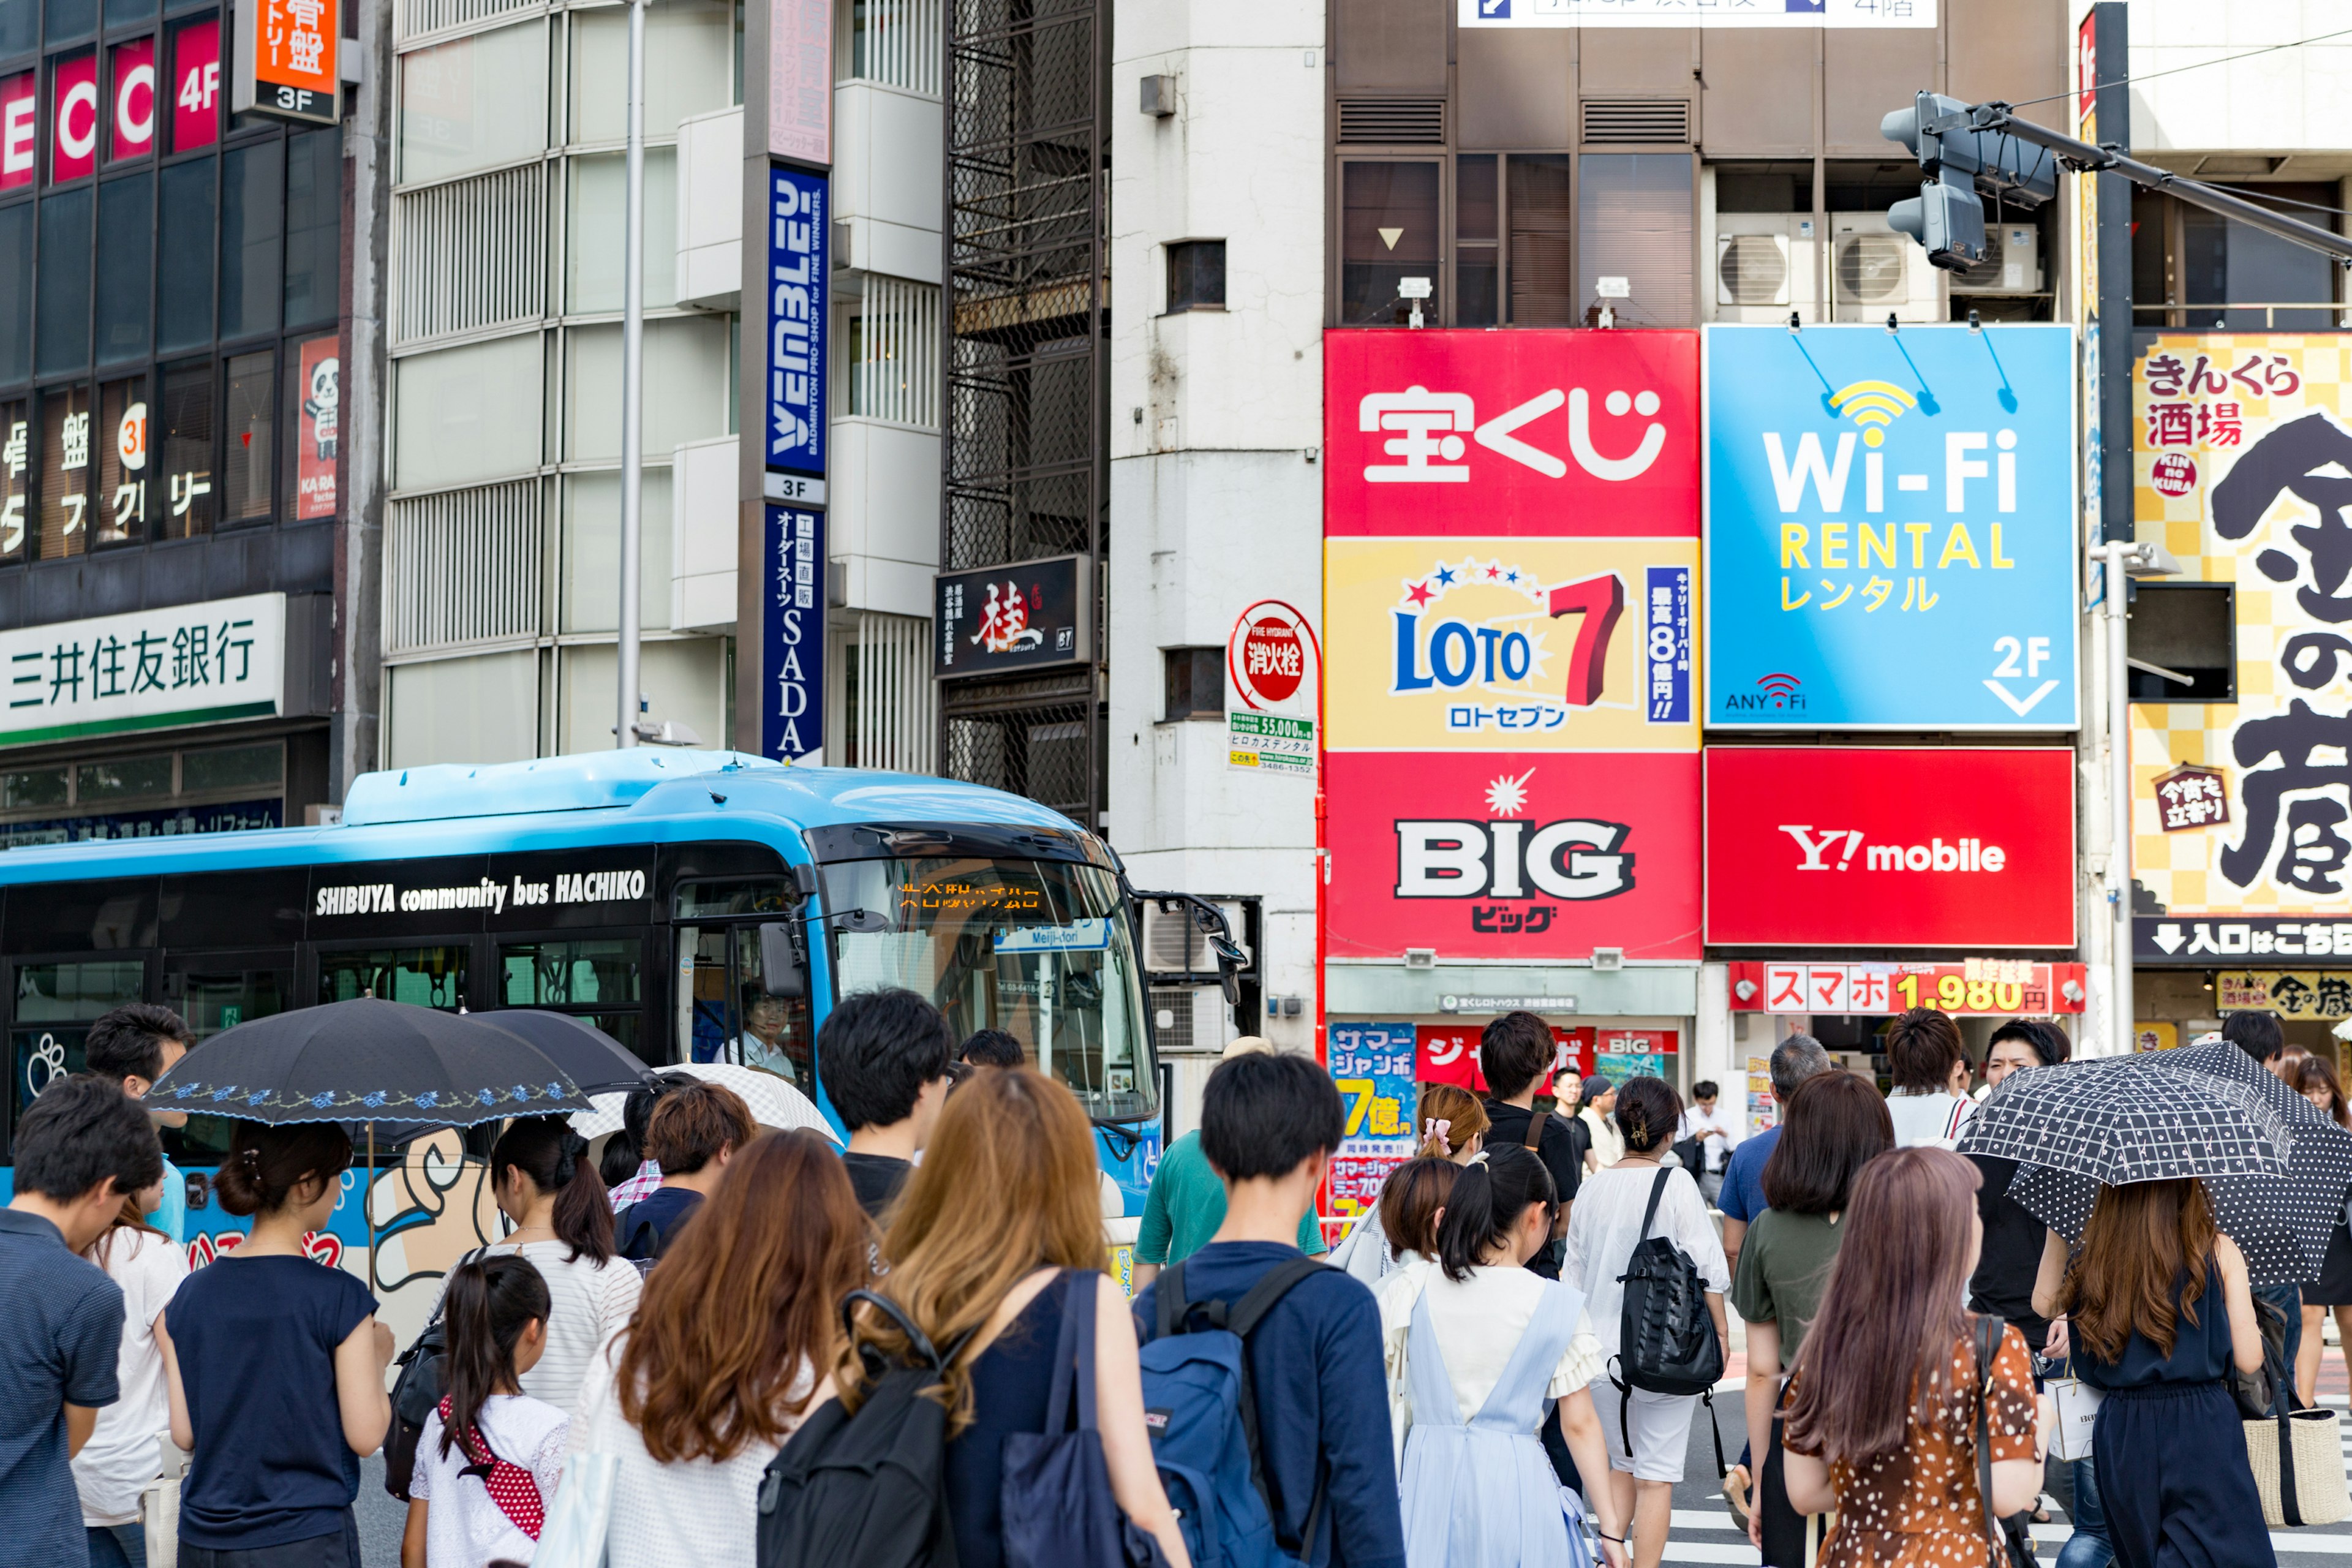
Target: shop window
1634	221
1196	682
184	293
15	290
1196	276
246	465
233	768
195	85
128	778
253	218
1543	288
62	334
2183	642
126	237
119	505
187	452
27	788
16	476
65	472
1477	268
1387	232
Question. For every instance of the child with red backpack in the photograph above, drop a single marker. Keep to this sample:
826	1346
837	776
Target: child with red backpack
489	1456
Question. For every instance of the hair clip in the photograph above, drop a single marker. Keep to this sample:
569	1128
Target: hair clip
1439	1129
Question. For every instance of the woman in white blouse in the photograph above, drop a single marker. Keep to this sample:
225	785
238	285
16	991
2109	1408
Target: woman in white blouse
1487	1345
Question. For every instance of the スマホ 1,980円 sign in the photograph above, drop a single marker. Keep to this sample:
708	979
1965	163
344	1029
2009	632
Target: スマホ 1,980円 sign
799	227
791	632
1890	529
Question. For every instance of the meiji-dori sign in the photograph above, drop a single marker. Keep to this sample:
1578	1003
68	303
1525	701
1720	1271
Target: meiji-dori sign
195	664
792	633
799	231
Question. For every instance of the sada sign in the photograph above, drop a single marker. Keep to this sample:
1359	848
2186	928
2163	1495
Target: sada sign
1898	846
1526	433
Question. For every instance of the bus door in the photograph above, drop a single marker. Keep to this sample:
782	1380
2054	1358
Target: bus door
725	1010
598	977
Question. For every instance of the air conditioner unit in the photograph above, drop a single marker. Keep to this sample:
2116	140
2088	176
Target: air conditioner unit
1172	944
1875	272
1764	266
2013	263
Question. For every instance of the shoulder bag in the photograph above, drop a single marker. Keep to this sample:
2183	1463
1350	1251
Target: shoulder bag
2012	1538
416	1392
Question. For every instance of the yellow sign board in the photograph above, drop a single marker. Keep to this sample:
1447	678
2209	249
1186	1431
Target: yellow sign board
2289	993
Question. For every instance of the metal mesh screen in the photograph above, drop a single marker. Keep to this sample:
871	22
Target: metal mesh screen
1025	422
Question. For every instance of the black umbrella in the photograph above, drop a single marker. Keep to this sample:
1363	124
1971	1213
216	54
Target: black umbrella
367	1060
583	1052
2275	1168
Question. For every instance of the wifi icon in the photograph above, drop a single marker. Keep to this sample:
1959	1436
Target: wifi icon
1780	688
1873	406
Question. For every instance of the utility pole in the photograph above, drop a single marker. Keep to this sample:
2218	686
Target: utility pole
633	384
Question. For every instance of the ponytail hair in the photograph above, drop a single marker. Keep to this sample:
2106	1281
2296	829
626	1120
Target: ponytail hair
1411	1200
1449	1117
488	1304
1488	1197
266	1163
554	1159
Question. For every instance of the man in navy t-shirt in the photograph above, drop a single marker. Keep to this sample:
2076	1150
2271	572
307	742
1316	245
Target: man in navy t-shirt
1794	1060
83	1148
1268	1125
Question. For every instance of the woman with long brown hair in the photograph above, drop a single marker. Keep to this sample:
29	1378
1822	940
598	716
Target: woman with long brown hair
2157	1310
726	1354
1882	1409
2316	1081
999	1227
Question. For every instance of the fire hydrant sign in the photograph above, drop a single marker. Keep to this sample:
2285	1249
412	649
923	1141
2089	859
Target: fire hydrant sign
1272	672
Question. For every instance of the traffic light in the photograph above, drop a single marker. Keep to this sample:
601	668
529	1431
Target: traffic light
1947	215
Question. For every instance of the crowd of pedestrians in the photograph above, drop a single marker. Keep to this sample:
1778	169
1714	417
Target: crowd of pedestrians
1472	1379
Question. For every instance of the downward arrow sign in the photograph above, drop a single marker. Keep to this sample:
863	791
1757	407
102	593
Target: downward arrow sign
2025	707
2168	937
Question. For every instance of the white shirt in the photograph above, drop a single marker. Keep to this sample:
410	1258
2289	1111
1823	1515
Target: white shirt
121	1455
464	1528
1478	1323
1606	1224
1714	1131
1607	1143
752	1051
692	1514
1932	1119
588	1303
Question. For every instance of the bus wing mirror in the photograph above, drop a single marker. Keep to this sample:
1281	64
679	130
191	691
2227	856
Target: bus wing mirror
782	973
1230	960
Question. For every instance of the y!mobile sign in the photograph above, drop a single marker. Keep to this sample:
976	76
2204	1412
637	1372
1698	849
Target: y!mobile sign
1891	847
1890	529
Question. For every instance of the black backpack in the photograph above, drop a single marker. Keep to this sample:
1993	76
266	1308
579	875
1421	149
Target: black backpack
416	1394
1667	1341
868	1489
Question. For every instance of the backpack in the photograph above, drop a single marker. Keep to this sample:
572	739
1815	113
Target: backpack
868	1488
1202	1414
414	1393
1667	1341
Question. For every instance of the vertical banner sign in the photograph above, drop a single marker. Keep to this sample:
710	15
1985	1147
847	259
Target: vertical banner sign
799	78
320	429
288	62
1373	1066
798	230
792	633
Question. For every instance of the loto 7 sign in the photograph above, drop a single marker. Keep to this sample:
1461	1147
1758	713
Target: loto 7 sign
1549	434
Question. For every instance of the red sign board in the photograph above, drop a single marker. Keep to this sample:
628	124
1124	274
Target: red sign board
1526	856
73	143
318	433
132	72
195	85
19	131
1991	985
1900	847
1540	434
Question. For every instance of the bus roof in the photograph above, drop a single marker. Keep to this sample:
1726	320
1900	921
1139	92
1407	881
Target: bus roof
549	802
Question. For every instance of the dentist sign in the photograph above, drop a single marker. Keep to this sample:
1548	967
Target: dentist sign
1890	529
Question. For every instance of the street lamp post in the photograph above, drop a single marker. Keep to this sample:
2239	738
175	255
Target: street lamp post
633	389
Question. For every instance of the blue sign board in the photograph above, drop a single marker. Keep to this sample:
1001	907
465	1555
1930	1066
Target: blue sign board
1891	535
792	633
799	230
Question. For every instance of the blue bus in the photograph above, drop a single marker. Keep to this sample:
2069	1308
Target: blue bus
694	905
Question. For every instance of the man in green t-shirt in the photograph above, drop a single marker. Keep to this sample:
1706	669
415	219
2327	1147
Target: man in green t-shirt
1187	1201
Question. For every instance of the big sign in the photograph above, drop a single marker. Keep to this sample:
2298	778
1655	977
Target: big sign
1890	533
1893	846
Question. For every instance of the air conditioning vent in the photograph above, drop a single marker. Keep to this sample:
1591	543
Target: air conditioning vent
2011	262
1636	121
1392	123
1870	270
1172	944
1751	269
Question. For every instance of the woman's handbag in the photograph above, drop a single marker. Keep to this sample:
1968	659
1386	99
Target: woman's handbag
1058	1506
2074	1407
2298	1464
574	1535
2012	1538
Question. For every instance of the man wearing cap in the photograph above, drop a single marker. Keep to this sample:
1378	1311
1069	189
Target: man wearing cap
1608	1144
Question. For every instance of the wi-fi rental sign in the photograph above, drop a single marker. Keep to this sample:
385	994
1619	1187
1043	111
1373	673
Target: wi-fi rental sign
1889	527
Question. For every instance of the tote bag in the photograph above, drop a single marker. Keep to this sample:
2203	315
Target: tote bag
1058	1508
574	1535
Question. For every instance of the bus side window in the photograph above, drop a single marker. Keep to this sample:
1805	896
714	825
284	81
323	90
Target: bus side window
54	1007
776	1034
706	1012
726	1013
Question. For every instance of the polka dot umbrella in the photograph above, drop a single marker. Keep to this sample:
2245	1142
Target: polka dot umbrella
2275	1168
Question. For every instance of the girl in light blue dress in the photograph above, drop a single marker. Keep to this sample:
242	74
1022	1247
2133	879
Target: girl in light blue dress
1488	1350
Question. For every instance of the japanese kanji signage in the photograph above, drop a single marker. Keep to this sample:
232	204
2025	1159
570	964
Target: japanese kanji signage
196	664
1373	1066
2241	443
2010	985
1274	674
800	78
1912	845
791	631
799	231
1874	13
2291	994
1891	527
1023	616
287	59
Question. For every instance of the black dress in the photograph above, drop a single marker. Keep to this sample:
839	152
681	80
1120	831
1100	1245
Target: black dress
2334	1286
1009	1384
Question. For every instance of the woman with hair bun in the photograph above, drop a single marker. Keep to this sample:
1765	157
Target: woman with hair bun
550	1192
1485	1348
1451	1125
275	1367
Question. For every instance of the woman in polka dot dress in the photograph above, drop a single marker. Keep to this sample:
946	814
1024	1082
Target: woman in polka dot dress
1882	1410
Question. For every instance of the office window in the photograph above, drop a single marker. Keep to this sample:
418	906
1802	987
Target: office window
126	237
1634	222
314	228
119	501
1195	683
63	325
1387	232
184	296
16	287
476	102
246	463
1543	288
253	220
1477	268
187	451
1196	276
15	473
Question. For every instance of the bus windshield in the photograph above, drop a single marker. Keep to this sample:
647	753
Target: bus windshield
1040	949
